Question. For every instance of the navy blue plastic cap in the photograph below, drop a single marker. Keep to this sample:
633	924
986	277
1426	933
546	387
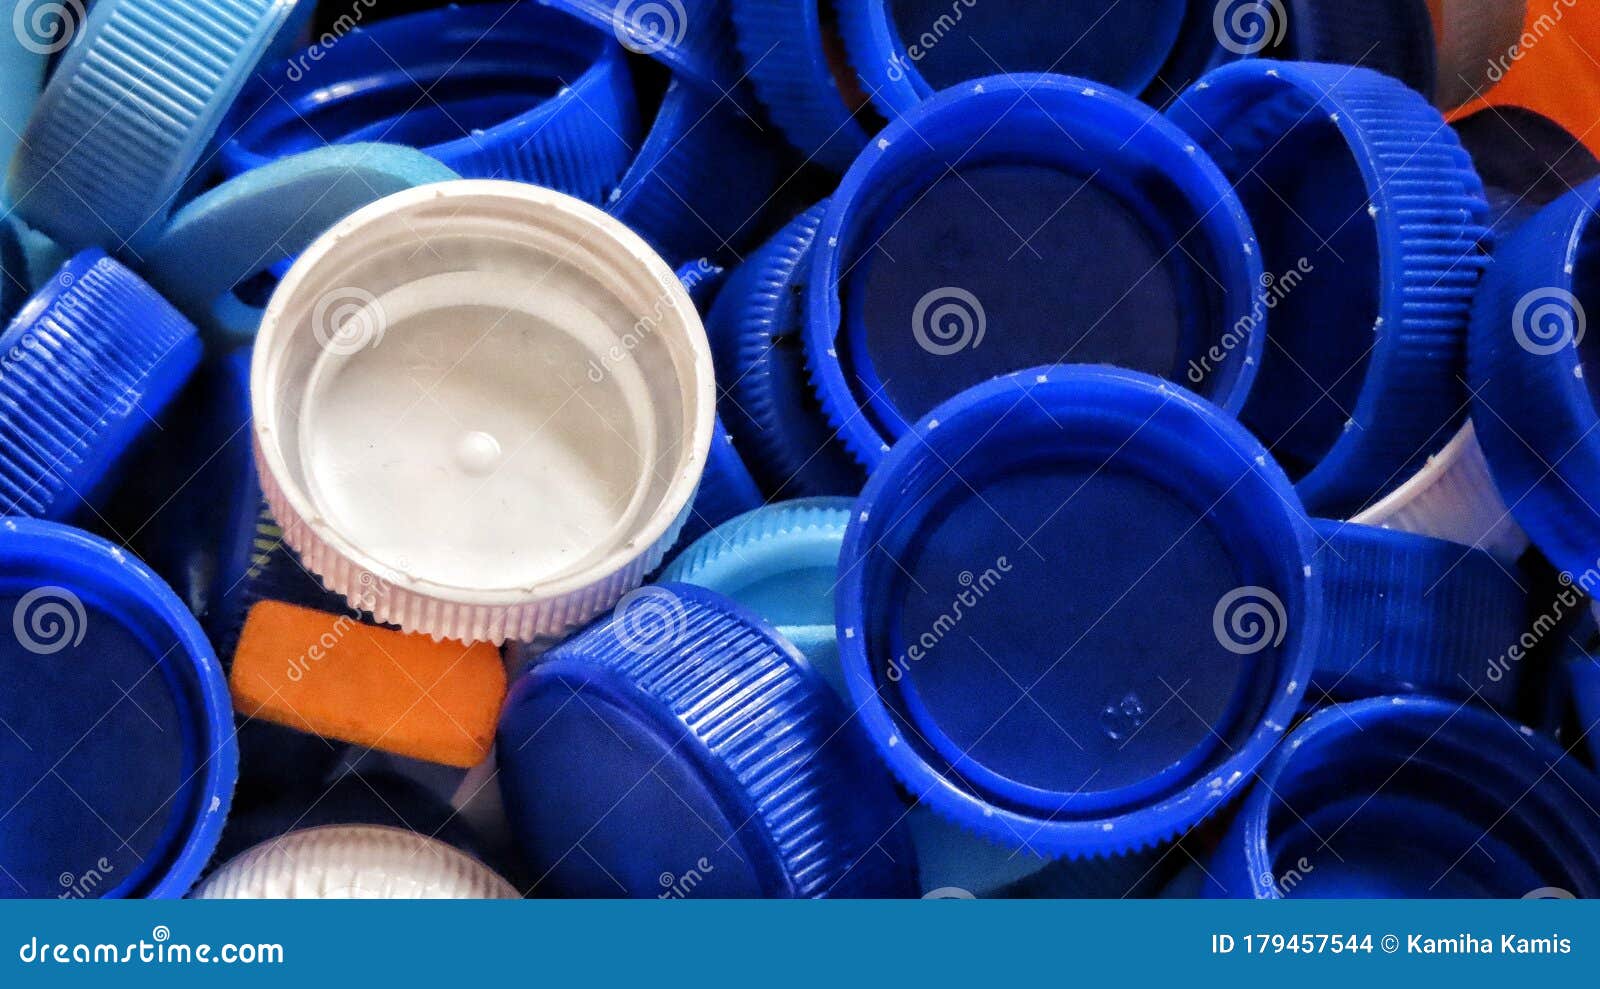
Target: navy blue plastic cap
1413	797
767	402
693	38
85	368
681	748
1526	161
1533	376
494	91
1581	672
789	49
726	489
1018	221
1076	609
120	759
1373	226
906	50
701	181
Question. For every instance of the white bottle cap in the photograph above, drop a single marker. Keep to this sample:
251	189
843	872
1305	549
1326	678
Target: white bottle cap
481	409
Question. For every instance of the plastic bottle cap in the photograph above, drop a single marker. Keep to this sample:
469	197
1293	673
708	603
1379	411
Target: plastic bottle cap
494	91
483	407
354	862
1526	161
1024	220
726	489
1413	797
119	762
682	748
1533	399
1372	223
89	362
693	38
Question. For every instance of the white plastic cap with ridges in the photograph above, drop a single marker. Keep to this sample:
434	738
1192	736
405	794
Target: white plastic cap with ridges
354	862
1454	498
481	409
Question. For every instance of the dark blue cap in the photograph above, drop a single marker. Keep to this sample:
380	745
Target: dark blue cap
86	367
767	401
1024	220
1372	225
1413	797
120	759
726	489
1526	161
681	748
507	91
1394	37
1533	375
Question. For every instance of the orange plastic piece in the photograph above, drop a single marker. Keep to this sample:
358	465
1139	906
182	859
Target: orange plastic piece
1555	70
334	676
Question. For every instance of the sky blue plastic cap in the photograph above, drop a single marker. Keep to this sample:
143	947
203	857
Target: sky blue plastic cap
792	56
86	367
1372	227
782	562
120	759
494	91
1413	797
1025	220
108	148
679	748
1077	608
766	399
906	50
1533	374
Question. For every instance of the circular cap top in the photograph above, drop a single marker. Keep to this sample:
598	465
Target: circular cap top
120	754
354	862
1087	556
703	756
1413	797
490	402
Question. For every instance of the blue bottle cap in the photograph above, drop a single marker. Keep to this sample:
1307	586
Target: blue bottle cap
1024	220
1581	671
726	489
706	759
1531	374
495	91
790	51
120	760
693	38
15	276
1413	797
85	368
907	50
700	182
781	562
1372	223
767	401
1079	605
253	224
1212	35
107	149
